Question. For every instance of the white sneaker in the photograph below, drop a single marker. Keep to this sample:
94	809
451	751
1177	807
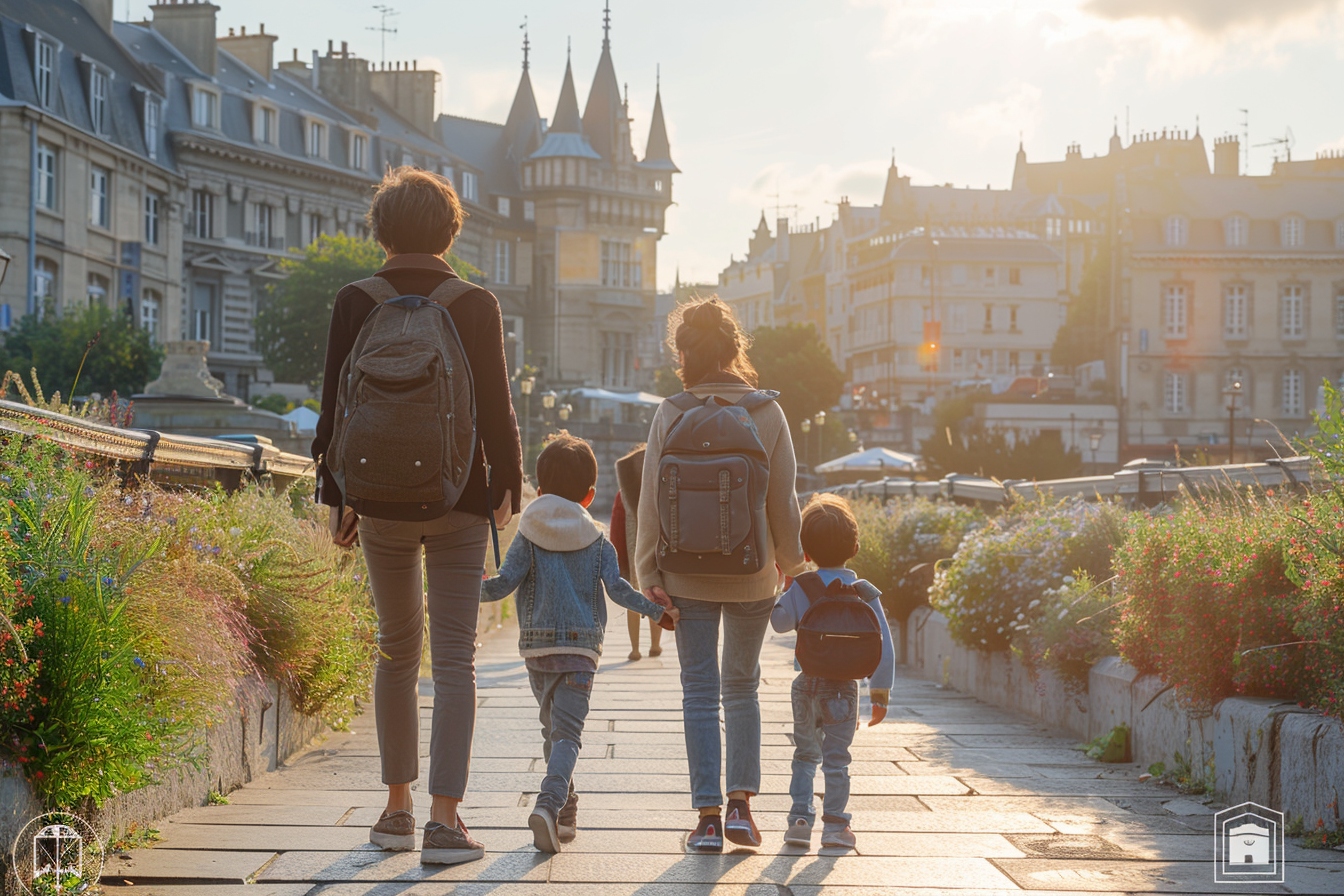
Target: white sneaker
799	833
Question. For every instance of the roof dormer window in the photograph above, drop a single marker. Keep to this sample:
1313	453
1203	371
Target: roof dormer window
1235	230
1176	231
204	107
153	125
44	71
316	139
265	124
359	151
100	90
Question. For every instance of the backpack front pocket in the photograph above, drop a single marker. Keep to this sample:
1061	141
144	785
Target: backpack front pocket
393	451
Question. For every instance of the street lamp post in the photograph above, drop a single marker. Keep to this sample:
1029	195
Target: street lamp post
548	403
1233	393
525	386
806	427
1094	440
565	410
819	421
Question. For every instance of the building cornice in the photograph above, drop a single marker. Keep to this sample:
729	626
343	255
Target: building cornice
220	149
1234	259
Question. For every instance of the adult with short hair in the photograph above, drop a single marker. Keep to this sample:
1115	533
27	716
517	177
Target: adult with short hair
415	216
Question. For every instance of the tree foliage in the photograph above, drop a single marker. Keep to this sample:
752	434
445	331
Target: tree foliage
961	444
794	361
1083	336
292	327
121	357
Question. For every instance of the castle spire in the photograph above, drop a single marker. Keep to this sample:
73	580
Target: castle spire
566	118
657	150
606	27
603	115
526	45
522	129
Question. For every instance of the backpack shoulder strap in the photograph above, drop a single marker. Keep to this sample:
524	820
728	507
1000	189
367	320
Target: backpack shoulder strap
811	584
684	401
753	400
451	290
377	289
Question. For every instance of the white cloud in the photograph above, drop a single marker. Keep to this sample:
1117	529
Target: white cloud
1017	110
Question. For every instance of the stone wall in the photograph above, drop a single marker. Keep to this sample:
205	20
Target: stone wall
1269	751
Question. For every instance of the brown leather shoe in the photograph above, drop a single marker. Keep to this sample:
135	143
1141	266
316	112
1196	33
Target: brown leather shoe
449	846
394	830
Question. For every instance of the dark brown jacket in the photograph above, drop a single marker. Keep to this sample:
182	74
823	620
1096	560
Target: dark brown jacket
477	318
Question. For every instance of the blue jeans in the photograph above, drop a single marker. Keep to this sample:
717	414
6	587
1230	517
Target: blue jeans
703	686
825	715
563	698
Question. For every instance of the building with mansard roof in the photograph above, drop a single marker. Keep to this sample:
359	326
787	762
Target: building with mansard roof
93	200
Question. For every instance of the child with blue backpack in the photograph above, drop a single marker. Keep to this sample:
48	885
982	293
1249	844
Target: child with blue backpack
842	637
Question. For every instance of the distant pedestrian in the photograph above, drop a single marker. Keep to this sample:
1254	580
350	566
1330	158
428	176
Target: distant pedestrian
558	564
402	445
624	522
843	636
718	519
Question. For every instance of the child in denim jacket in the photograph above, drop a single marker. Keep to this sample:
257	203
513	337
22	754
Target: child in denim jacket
558	564
826	711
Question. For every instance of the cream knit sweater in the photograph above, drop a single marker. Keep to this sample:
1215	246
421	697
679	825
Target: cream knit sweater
781	506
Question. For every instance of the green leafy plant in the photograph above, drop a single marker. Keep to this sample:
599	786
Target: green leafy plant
1113	746
1074	630
1184	775
902	540
96	349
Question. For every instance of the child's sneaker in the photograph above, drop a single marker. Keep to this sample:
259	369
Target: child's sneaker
799	833
739	827
545	836
707	836
842	838
567	821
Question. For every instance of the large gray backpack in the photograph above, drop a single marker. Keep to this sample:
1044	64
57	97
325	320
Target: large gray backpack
713	476
405	430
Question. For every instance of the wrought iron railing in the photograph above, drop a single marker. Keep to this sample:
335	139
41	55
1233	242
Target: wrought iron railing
160	457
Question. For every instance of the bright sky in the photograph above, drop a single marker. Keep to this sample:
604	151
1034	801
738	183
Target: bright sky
808	99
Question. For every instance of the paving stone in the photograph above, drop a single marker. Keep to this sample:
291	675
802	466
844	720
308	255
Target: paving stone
158	889
185	866
403	866
270	838
783	869
1161	877
260	815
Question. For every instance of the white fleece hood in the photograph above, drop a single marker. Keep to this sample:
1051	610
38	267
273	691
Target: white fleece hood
553	523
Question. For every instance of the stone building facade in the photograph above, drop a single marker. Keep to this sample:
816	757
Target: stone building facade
92	210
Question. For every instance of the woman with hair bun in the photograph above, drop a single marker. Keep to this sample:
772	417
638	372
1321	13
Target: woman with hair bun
712	354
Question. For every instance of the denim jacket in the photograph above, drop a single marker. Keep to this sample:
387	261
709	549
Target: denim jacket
557	564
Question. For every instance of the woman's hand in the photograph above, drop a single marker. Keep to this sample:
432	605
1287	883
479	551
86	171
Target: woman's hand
504	512
343	523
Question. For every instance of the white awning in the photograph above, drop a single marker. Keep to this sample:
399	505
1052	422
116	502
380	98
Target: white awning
873	459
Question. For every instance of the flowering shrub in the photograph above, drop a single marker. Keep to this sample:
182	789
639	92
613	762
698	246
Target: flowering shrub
1073	630
996	582
1209	605
128	619
1316	554
901	541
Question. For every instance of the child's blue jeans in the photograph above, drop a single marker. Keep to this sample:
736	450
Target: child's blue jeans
825	715
563	698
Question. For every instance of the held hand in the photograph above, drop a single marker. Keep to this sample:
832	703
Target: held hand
668	621
658	596
504	512
343	524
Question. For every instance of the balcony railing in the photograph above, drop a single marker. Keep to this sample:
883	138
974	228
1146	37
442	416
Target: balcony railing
264	241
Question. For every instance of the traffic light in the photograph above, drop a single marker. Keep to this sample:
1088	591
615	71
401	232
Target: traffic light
928	349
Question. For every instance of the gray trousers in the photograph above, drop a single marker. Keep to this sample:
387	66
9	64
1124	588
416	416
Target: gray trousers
454	561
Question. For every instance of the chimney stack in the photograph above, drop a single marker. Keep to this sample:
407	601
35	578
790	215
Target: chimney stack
101	10
410	92
256	51
1227	156
190	27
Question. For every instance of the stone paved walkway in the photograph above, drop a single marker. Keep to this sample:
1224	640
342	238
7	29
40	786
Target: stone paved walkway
949	796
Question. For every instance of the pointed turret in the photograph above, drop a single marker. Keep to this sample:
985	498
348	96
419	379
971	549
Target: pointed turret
565	135
522	129
897	199
760	240
1020	166
604	119
566	118
657	151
